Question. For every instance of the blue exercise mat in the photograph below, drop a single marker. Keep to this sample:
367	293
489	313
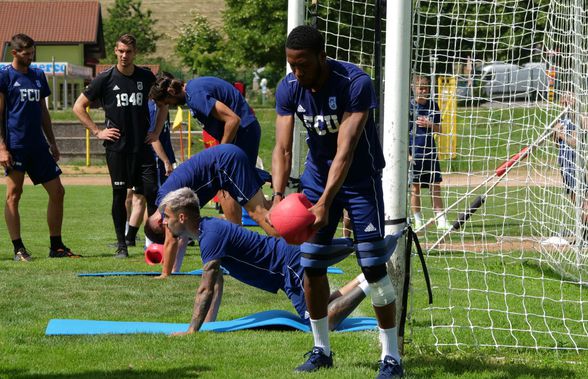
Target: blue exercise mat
330	270
144	273
272	320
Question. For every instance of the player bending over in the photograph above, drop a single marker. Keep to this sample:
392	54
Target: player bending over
223	167
263	262
224	114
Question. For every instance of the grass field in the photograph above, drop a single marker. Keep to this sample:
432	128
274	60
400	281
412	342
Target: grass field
46	288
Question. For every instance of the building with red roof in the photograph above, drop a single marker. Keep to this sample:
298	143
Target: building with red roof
69	41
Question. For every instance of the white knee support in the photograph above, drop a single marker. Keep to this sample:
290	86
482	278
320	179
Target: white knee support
383	292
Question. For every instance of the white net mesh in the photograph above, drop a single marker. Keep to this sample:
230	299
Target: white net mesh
515	273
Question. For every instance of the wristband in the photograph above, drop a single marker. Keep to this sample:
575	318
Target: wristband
281	194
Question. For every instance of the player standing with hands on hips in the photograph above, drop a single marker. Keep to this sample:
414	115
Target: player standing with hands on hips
335	102
25	129
124	93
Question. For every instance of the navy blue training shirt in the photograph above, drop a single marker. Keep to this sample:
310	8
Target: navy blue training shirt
23	94
347	89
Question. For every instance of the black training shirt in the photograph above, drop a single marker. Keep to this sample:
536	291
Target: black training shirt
125	102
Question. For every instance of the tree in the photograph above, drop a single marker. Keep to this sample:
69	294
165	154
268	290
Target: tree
256	32
203	50
254	36
126	16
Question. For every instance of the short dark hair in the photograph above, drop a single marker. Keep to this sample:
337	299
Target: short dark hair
127	39
164	81
305	37
21	41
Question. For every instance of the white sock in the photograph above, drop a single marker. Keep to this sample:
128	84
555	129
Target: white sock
417	217
389	342
320	332
147	242
441	220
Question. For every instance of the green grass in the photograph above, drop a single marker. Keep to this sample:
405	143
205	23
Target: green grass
44	289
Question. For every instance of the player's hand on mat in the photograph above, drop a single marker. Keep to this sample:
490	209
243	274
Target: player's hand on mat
321	213
54	151
5	158
108	134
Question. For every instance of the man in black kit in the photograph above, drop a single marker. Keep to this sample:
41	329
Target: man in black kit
123	92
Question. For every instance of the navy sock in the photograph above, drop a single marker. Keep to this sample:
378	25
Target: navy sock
56	242
18	244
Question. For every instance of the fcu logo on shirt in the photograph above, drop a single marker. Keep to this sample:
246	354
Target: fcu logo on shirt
321	124
30	95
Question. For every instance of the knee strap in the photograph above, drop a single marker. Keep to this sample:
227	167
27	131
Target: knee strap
377	252
383	292
322	256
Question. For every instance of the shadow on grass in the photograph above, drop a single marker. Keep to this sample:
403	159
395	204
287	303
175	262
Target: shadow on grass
180	372
427	366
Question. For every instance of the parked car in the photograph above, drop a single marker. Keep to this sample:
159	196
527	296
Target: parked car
507	80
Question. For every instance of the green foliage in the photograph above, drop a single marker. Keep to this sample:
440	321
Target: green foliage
203	49
485	31
256	31
126	16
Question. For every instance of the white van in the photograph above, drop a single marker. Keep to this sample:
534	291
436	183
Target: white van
506	80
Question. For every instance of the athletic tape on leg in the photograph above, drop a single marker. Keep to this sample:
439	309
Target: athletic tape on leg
322	256
383	292
378	252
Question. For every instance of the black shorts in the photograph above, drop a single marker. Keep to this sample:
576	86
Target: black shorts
132	170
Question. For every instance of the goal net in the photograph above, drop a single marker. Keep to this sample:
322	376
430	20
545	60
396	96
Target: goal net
506	75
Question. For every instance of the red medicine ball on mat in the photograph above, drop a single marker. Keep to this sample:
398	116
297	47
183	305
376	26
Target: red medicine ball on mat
154	254
292	219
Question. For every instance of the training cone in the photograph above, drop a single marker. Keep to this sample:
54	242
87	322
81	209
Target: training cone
154	254
292	219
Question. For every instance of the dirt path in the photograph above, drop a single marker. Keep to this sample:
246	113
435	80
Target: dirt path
98	176
79	176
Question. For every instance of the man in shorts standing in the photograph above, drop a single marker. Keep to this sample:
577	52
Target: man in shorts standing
123	91
25	129
334	100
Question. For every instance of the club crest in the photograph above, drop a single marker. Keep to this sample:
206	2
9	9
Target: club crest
140	86
38	82
333	102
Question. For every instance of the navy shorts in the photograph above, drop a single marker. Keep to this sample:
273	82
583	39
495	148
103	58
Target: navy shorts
568	171
363	200
426	170
39	164
238	178
294	289
248	140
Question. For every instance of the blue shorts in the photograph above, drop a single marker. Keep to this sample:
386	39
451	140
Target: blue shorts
426	170
568	171
294	289
248	140
39	164
363	200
